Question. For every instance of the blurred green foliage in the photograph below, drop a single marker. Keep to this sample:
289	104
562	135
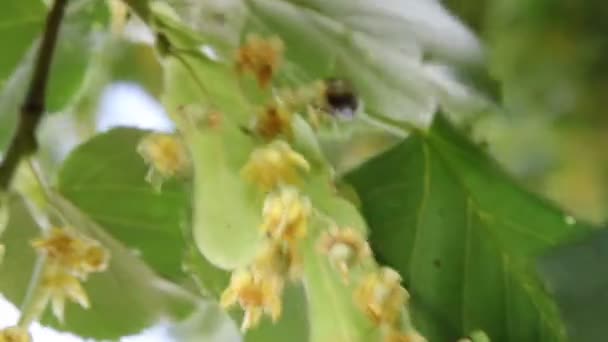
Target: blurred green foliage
552	60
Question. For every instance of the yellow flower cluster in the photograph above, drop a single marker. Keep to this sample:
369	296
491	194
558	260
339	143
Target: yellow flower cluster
70	258
285	215
166	155
261	57
256	294
381	296
258	289
274	165
345	248
14	334
273	120
278	260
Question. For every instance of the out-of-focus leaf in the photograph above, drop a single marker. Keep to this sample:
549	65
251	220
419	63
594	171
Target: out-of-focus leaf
209	323
379	46
125	299
20	23
575	274
463	236
137	63
77	41
220	19
105	178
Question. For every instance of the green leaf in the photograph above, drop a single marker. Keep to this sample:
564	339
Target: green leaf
378	46
463	236
76	44
125	299
20	23
227	210
575	274
105	178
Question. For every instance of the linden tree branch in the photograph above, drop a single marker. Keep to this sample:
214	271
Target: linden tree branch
24	142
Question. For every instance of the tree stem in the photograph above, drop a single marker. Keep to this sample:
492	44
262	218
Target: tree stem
23	142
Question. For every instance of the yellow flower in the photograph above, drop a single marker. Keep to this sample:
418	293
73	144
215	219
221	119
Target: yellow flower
285	215
345	248
278	260
274	165
262	57
273	120
14	334
255	294
381	296
166	155
62	286
74	253
70	257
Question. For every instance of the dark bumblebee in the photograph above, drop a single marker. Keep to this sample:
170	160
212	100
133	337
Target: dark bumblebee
340	97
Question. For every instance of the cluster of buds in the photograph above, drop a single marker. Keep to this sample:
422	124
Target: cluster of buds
70	258
166	156
275	165
277	170
382	298
273	120
344	248
258	289
255	294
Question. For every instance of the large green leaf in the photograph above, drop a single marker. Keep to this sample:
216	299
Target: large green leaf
125	299
576	276
105	177
463	236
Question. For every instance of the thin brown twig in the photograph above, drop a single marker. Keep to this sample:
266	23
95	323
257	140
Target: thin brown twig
24	142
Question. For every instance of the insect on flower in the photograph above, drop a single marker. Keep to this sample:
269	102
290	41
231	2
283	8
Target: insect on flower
340	98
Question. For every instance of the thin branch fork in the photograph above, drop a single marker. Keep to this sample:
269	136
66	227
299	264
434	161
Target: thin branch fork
24	142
